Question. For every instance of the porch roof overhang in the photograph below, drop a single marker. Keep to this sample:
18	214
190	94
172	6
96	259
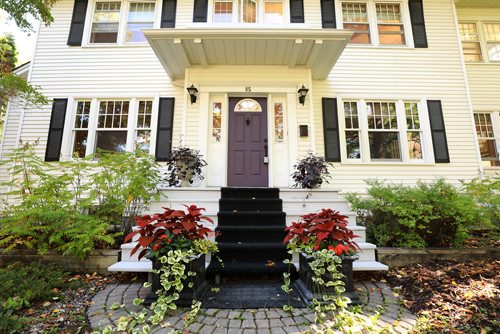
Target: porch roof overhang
315	49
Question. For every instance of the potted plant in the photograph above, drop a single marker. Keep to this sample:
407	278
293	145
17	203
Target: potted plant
176	242
311	172
184	167
326	254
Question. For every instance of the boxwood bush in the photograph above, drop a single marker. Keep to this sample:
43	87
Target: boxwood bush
434	214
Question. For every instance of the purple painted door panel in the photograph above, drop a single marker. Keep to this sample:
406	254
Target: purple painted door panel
247	146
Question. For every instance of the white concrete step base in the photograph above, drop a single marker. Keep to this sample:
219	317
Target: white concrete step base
146	266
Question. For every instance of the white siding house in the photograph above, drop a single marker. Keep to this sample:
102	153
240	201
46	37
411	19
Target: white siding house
391	93
381	70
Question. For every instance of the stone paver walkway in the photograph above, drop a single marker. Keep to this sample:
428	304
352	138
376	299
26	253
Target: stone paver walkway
375	297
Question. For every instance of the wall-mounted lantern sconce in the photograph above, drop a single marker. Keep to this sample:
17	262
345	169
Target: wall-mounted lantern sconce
192	93
302	94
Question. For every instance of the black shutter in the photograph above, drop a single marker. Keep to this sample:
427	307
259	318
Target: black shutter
168	10
296	11
439	142
77	23
418	23
328	14
200	10
56	128
165	122
331	129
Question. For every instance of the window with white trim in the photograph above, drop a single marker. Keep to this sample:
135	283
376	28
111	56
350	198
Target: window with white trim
375	22
248	11
488	136
115	125
143	126
378	130
480	41
81	129
118	22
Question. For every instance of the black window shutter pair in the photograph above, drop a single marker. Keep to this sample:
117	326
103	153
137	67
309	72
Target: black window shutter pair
332	138
163	137
80	11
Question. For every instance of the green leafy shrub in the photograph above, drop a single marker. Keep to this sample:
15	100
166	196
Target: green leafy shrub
69	206
427	215
486	195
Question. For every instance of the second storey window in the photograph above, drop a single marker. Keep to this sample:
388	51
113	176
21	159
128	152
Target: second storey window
493	40
480	41
248	11
355	17
116	22
390	24
106	22
379	23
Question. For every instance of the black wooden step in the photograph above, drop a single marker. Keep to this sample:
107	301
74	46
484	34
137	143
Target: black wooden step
252	204
227	192
252	252
251	218
250	233
250	268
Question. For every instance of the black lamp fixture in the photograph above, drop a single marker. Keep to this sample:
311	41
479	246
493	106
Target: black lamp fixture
192	93
302	94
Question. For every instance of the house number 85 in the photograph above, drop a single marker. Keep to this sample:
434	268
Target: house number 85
248	89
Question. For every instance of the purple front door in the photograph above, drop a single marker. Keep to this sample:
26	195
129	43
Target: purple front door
247	160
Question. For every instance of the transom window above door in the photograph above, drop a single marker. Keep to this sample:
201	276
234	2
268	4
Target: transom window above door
248	11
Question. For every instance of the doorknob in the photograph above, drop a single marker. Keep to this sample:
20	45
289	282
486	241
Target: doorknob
247	121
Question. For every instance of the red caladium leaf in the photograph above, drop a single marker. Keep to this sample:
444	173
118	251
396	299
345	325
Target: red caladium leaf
130	236
142	253
188	225
135	249
145	241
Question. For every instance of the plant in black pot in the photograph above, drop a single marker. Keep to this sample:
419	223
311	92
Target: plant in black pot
311	172
326	253
176	242
184	167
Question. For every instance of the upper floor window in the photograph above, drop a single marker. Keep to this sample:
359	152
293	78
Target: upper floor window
380	23
488	136
248	11
480	41
121	21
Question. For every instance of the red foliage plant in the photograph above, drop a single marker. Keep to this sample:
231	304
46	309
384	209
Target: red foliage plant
324	229
168	227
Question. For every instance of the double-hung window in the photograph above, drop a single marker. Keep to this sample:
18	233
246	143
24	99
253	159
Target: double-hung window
480	41
118	22
375	22
143	128
81	128
388	131
115	125
248	11
488	135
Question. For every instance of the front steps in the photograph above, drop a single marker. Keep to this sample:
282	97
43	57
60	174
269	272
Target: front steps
296	202
251	225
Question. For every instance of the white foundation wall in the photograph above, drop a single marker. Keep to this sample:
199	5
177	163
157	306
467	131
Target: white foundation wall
434	73
483	78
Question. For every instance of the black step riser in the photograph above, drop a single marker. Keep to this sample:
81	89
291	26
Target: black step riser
250	205
250	236
250	193
242	220
253	256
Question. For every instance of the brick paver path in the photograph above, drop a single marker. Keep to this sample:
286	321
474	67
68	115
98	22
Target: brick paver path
375	297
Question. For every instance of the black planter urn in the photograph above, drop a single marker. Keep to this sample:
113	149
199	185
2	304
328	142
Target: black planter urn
186	296
305	284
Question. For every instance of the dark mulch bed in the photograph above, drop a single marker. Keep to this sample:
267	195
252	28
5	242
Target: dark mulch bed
66	313
451	297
